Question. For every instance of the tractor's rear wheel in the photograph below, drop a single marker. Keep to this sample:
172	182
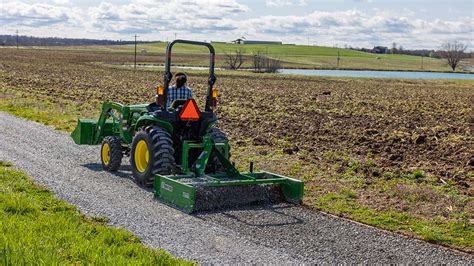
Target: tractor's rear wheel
111	153
152	153
214	165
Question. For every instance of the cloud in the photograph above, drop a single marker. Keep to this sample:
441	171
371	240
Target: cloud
194	8
153	16
282	3
463	26
354	27
61	2
228	19
36	14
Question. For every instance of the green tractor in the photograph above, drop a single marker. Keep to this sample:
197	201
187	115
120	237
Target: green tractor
179	151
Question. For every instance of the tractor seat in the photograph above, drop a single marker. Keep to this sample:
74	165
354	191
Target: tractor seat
177	103
152	107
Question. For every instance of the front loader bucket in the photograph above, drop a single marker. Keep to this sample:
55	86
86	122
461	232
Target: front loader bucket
84	133
212	192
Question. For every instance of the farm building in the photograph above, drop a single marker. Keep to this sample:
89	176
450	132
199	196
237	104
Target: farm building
244	41
238	41
260	42
380	50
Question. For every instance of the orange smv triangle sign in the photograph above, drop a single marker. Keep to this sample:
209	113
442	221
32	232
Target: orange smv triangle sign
190	111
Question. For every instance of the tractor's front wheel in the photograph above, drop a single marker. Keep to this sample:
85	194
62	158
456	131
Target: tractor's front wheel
111	153
152	153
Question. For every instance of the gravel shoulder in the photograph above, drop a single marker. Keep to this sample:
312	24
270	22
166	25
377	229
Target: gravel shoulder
280	234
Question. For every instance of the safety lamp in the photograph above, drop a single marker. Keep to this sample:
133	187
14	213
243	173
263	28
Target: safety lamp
160	91
214	99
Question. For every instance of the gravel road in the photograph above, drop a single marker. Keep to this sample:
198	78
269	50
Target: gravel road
280	234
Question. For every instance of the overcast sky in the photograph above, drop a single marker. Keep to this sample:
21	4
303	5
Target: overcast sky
358	23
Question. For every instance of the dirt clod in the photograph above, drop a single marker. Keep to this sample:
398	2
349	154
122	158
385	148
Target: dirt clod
395	157
420	139
470	162
260	141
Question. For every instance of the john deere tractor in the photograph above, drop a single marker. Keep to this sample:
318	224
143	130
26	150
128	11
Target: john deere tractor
178	150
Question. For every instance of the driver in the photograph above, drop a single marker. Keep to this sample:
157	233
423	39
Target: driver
179	91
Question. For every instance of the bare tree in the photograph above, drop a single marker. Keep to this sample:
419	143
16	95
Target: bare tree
258	65
262	63
272	65
234	60
453	52
394	48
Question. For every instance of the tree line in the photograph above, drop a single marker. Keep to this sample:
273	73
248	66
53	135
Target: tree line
453	52
416	52
11	40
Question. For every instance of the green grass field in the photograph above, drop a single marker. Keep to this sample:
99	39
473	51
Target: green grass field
293	56
37	228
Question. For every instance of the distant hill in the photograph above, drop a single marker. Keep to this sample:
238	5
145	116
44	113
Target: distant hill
10	40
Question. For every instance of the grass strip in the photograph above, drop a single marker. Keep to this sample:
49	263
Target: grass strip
455	233
37	228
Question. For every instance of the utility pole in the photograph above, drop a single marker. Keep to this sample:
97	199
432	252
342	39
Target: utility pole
175	35
421	61
17	39
135	62
338	59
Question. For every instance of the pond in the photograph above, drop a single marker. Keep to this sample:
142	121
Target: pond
172	67
377	74
343	73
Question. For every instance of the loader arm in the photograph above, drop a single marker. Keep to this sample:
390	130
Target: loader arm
117	129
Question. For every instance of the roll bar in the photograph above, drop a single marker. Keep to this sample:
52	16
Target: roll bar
168	75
